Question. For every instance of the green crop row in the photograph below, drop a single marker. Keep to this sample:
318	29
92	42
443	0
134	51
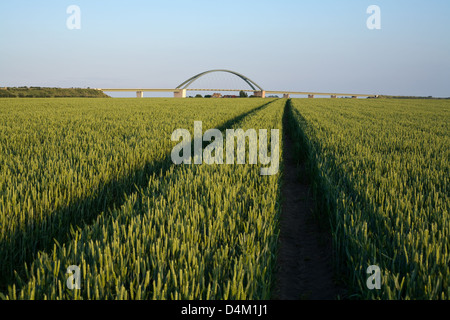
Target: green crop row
182	232
380	170
63	162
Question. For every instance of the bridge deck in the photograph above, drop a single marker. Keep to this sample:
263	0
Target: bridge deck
320	93
246	90
136	90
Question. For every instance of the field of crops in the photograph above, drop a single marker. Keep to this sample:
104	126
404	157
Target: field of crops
97	178
90	183
380	170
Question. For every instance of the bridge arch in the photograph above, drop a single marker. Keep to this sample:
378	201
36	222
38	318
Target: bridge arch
190	81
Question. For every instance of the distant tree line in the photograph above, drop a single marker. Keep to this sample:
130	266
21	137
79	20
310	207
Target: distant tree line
39	92
242	94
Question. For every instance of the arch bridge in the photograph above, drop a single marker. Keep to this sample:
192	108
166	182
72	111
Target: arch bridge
181	90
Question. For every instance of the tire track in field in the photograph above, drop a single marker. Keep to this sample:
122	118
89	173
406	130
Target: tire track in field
304	262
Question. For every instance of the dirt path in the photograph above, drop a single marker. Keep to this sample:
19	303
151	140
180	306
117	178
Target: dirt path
304	258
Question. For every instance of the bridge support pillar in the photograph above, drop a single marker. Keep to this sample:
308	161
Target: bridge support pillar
333	97
180	94
286	96
260	94
310	96
139	94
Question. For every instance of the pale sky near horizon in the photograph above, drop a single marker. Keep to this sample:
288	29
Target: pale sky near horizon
313	45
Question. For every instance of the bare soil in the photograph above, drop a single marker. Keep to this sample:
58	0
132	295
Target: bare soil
305	269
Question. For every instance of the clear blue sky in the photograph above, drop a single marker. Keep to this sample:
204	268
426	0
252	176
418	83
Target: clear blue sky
312	45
